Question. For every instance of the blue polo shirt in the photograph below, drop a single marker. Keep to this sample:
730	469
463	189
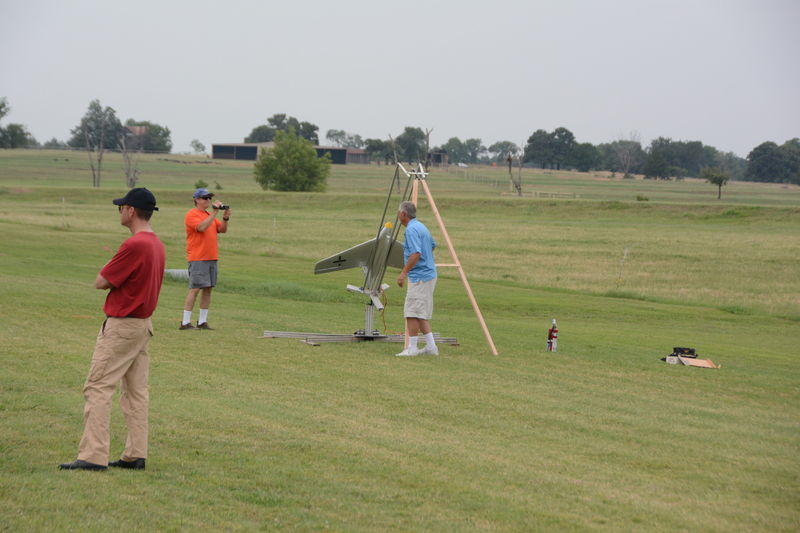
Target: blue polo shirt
419	240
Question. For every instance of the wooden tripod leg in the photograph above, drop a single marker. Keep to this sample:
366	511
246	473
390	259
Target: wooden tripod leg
453	254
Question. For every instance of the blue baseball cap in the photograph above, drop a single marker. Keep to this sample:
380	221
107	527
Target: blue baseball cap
202	191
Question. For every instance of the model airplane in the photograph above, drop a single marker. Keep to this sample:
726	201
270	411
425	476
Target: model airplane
373	256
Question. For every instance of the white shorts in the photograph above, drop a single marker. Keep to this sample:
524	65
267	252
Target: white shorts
419	299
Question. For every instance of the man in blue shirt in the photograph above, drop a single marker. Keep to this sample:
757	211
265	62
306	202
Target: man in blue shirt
420	269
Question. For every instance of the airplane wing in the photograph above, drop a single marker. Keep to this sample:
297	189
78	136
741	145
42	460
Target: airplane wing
357	256
396	256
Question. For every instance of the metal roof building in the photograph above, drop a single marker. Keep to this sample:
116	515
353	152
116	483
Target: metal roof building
252	151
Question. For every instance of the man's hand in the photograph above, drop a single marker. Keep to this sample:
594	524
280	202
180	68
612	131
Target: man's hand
412	260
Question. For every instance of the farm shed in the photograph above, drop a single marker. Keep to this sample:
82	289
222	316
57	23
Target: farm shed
251	152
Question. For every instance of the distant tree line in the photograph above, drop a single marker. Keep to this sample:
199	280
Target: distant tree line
663	158
98	125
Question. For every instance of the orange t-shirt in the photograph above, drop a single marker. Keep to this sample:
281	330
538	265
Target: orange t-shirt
201	245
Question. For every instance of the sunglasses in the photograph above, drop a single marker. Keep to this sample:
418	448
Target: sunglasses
206	197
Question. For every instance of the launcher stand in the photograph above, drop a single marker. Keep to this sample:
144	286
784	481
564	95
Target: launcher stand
369	333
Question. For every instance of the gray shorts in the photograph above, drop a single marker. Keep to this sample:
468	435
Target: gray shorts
202	274
419	299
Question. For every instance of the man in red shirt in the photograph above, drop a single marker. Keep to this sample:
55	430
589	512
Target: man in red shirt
202	253
133	277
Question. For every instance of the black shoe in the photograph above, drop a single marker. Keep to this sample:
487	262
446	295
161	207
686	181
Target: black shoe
136	464
81	465
187	326
204	325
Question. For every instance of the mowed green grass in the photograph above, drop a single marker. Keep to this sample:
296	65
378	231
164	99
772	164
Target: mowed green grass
267	434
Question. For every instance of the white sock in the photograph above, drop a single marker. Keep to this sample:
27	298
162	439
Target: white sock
203	316
187	317
412	342
429	340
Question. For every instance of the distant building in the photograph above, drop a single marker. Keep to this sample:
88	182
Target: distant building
438	158
252	151
246	151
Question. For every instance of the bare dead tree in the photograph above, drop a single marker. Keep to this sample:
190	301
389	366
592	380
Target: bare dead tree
96	126
427	148
516	183
625	150
95	154
130	161
394	151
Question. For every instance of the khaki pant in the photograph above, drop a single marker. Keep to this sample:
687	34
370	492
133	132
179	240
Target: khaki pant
120	356
419	299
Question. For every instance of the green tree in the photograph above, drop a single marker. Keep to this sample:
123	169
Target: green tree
16	136
197	146
731	163
292	165
563	143
474	150
456	150
585	157
336	137
656	166
343	139
99	128
153	137
283	122
500	150
686	158
55	144
540	149
378	150
717	176
791	155
766	162
411	145
308	131
279	121
261	134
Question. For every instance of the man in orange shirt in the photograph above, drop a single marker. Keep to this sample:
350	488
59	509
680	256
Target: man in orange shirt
202	254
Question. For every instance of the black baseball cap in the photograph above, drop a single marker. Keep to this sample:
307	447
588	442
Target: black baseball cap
139	198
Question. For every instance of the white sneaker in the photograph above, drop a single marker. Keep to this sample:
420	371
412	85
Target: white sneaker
409	352
430	350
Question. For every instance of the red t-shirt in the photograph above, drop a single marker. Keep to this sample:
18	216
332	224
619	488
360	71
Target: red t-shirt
136	272
201	245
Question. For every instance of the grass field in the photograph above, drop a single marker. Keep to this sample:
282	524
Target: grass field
270	434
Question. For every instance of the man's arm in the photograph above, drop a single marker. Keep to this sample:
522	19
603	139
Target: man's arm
225	216
412	260
206	222
102	283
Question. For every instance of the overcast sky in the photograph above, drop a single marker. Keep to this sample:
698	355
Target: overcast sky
725	72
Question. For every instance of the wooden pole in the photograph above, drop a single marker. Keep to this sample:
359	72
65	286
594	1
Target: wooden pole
457	264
